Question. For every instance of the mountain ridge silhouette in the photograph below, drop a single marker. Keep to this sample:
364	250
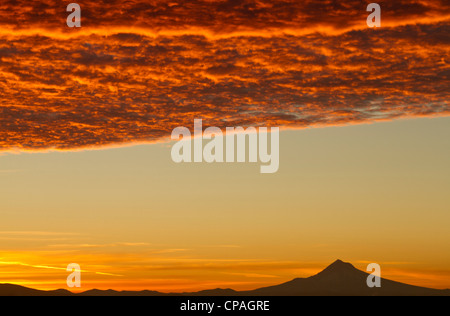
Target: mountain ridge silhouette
338	279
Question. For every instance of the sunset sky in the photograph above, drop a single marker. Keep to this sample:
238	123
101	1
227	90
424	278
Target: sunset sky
86	115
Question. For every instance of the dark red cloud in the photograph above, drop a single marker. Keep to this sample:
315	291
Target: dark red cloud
135	71
218	16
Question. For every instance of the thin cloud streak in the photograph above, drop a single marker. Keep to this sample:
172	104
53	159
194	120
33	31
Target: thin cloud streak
51	268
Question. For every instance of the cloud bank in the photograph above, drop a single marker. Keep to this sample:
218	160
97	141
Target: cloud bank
134	70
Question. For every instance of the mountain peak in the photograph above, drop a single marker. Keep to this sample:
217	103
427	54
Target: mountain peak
339	266
340	263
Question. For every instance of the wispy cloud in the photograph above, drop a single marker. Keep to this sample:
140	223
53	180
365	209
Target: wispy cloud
91	245
38	236
37	266
36	233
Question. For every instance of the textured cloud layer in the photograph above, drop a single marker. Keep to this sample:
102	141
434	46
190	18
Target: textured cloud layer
135	71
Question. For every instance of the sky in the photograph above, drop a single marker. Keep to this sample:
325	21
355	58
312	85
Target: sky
86	115
362	193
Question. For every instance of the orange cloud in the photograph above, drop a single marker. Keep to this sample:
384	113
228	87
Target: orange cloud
135	71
